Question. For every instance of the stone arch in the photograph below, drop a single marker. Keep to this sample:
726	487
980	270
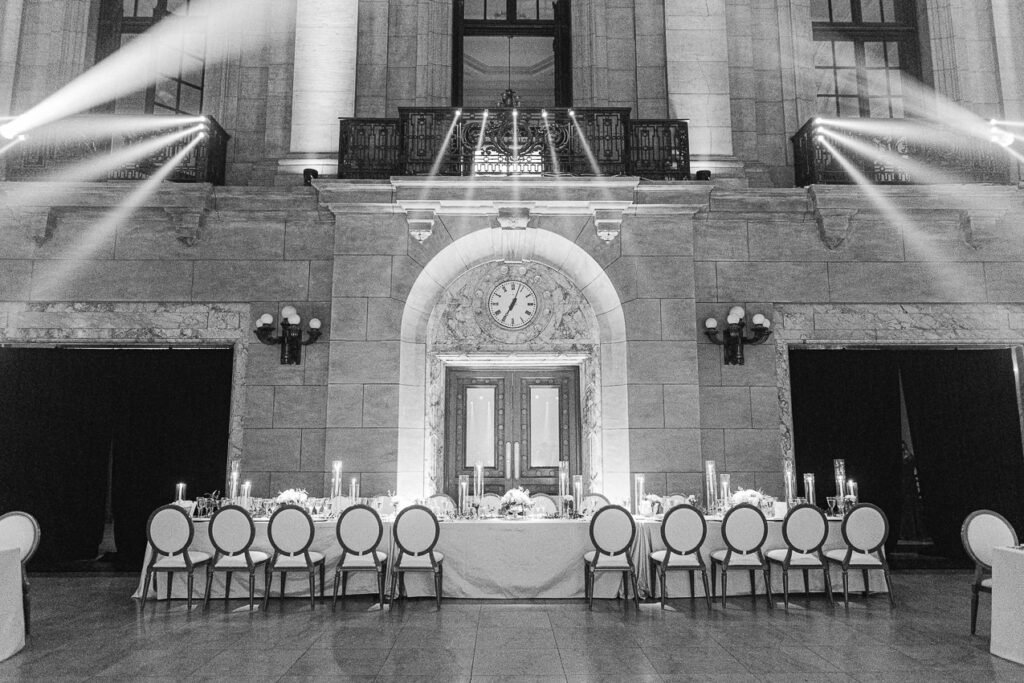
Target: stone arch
492	244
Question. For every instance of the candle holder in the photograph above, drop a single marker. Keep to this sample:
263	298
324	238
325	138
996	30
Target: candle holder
336	467
839	468
789	481
246	495
710	482
809	488
478	482
577	492
353	489
179	493
725	491
463	493
638	492
563	486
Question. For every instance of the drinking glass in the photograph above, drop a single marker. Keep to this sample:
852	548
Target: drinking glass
831	500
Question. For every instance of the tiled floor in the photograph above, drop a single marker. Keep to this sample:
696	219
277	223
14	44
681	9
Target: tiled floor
89	628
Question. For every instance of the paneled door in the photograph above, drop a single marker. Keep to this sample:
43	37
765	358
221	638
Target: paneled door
518	423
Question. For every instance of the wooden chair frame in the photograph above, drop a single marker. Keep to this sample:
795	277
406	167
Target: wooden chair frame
311	564
876	551
791	548
732	551
250	564
152	570
981	568
661	569
436	566
591	567
378	566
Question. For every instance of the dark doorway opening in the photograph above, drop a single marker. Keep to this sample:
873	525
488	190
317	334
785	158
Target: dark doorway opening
929	434
95	439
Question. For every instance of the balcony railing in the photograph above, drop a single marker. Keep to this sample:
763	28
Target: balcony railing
895	152
47	152
498	142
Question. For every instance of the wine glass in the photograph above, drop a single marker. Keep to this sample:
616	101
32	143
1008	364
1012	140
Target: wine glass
831	500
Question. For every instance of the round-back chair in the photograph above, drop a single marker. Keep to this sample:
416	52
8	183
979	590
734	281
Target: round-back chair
612	532
416	532
290	533
744	530
21	530
232	532
545	503
592	502
805	530
982	531
442	505
490	502
683	531
865	530
359	531
170	532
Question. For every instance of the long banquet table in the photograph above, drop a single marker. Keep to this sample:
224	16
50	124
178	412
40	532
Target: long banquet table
505	559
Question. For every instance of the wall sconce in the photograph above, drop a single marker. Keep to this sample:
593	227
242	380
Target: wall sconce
291	334
309	175
733	337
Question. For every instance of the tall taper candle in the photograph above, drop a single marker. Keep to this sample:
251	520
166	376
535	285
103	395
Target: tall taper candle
809	488
336	467
577	492
710	484
179	492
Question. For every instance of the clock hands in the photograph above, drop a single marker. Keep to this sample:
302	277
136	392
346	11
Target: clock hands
512	305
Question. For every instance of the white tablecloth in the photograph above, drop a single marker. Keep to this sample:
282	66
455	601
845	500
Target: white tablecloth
12	611
649	539
499	558
1008	604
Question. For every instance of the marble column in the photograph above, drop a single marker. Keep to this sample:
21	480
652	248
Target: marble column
324	79
10	34
696	48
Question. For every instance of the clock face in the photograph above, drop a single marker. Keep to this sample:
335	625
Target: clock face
512	304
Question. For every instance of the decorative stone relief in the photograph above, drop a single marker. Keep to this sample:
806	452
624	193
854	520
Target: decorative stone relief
564	326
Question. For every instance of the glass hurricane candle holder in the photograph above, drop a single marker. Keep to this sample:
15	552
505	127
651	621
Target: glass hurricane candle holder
336	486
809	488
710	484
789	480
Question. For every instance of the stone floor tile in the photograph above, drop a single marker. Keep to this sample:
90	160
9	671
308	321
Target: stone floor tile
518	662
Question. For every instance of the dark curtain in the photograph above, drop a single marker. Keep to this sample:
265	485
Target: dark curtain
964	421
173	427
846	404
54	450
163	413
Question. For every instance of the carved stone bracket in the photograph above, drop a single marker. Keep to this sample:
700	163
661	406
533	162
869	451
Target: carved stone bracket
834	225
189	223
608	223
967	230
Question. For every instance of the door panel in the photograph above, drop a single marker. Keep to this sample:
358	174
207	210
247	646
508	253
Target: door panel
519	423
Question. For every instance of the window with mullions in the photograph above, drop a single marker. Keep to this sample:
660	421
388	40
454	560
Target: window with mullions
178	87
863	51
522	45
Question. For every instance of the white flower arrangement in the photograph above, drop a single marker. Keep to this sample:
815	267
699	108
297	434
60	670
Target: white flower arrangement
652	498
751	496
516	496
292	496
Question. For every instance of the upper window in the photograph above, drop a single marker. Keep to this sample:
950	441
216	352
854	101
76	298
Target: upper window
862	51
518	45
178	83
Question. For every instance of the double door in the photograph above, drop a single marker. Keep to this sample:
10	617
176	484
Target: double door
518	424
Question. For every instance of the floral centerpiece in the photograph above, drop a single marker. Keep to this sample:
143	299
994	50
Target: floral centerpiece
755	498
515	501
650	505
292	497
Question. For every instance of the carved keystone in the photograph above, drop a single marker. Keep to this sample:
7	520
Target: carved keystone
608	223
421	223
188	224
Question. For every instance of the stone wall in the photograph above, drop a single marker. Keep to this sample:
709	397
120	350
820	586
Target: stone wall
828	266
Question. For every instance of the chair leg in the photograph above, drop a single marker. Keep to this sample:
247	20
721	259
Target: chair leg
725	578
312	588
693	592
590	590
394	584
227	587
768	585
267	585
864	573
807	586
664	589
753	589
145	586
334	600
26	603
636	591
714	579
323	569
586	582
846	587
188	587
439	584
209	584
707	593
785	587
170	582
828	584
284	580
252	587
888	586
974	608
381	574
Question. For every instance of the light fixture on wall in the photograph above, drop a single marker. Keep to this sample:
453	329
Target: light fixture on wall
290	338
733	337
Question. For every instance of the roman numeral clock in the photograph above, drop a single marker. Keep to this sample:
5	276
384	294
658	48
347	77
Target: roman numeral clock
512	304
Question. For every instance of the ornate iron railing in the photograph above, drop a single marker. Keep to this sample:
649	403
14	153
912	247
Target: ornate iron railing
902	152
447	141
45	153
